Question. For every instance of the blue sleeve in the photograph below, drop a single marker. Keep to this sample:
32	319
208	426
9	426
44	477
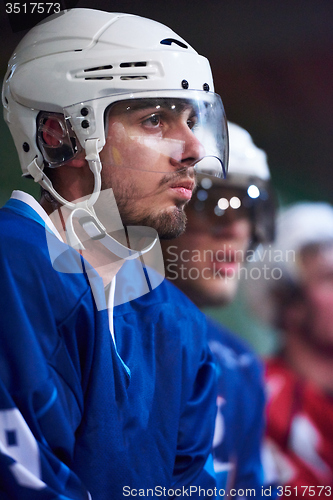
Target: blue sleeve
250	470
194	472
29	470
240	419
32	400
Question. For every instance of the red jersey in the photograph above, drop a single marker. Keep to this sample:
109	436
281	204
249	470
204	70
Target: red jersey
300	433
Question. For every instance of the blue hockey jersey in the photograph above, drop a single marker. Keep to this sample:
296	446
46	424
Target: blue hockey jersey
81	413
240	416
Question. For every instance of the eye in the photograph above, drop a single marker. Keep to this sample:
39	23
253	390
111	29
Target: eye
152	121
192	121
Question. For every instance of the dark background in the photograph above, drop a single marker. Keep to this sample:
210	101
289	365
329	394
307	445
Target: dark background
272	62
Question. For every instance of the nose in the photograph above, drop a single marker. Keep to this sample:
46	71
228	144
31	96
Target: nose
192	150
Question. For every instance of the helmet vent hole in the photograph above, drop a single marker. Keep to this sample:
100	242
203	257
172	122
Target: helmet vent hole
134	77
138	64
99	78
98	68
99	75
170	41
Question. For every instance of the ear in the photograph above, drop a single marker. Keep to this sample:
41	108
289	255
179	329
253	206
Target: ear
55	136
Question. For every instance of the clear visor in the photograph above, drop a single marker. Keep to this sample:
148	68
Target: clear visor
159	134
217	203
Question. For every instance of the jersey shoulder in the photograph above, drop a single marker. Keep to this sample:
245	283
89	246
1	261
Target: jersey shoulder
229	348
37	267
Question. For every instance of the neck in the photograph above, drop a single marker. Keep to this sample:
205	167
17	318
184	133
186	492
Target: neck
310	363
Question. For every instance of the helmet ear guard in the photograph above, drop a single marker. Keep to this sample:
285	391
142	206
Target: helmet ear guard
56	139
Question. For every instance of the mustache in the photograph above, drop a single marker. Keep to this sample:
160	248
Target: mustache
182	174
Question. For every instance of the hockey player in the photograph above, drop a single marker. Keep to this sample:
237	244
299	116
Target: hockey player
299	377
227	219
106	390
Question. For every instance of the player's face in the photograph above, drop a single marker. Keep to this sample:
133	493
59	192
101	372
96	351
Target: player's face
210	254
317	272
148	162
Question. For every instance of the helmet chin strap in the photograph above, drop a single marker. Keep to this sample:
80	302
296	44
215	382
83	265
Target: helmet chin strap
84	210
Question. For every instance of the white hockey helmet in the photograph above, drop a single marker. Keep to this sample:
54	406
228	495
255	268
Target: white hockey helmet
76	63
247	161
298	226
249	173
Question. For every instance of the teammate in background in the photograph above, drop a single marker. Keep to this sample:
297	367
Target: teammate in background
106	390
225	220
299	376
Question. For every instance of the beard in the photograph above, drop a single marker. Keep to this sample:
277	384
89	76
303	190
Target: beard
169	223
